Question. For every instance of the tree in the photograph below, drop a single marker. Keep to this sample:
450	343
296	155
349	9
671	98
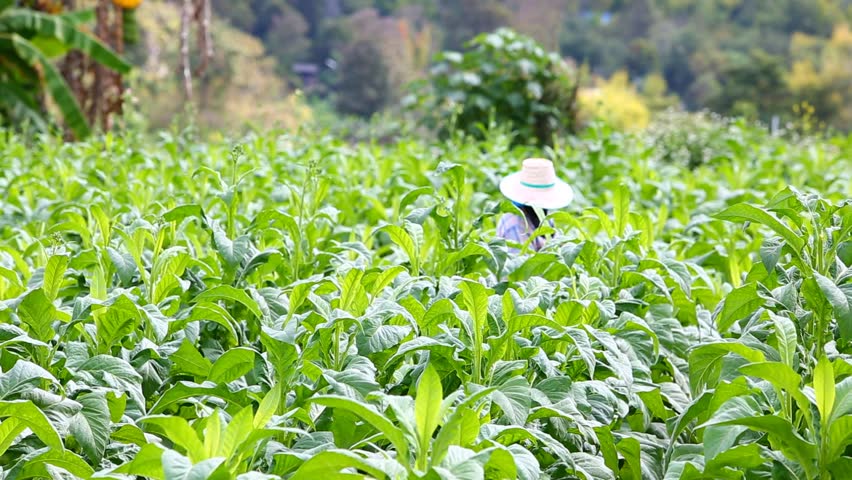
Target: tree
286	38
542	20
364	86
507	78
752	85
243	83
655	93
821	75
240	14
637	19
464	20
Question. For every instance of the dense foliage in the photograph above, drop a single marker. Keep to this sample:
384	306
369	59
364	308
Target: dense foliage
757	58
302	307
507	78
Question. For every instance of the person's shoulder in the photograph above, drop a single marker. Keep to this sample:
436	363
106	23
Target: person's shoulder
510	227
509	218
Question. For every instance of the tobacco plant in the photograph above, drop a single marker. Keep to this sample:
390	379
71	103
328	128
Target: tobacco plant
299	307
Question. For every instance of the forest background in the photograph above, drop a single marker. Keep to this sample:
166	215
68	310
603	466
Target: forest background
293	63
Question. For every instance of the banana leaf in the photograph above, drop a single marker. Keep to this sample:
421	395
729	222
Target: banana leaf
25	22
21	105
53	81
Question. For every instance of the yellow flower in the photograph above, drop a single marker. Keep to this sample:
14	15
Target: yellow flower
127	4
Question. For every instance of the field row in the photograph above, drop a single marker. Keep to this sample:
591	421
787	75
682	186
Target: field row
299	307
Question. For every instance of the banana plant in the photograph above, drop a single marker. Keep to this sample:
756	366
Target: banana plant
29	42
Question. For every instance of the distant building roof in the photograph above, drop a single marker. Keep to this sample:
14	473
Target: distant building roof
306	68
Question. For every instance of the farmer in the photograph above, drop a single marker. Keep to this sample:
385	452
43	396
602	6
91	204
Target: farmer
535	186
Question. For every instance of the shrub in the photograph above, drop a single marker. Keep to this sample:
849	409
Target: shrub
615	101
364	84
504	77
694	139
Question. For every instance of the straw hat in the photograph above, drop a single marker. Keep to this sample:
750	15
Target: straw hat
536	185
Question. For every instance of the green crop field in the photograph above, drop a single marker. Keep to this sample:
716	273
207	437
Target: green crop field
283	306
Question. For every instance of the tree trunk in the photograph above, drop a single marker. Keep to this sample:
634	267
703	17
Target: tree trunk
186	67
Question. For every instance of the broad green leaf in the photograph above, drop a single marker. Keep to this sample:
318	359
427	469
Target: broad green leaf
185	390
178	467
106	364
513	398
270	258
371	416
353	295
178	431
119	321
782	377
54	273
102	220
35	464
743	212
124	265
437	311
475	297
22	377
234	253
839	437
824	388
741	456
705	362
38	313
403	239
147	463
212	437
839	303
329	465
770	252
232	365
10	428
298	295
117	404
461	428
785	336
237	431
530	320
606	442
843	398
27	414
179	213
227	292
718	439
744	411
378	338
167	271
738	304
210	312
427	406
501	464
91	427
188	359
632	453
591	467
267	408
